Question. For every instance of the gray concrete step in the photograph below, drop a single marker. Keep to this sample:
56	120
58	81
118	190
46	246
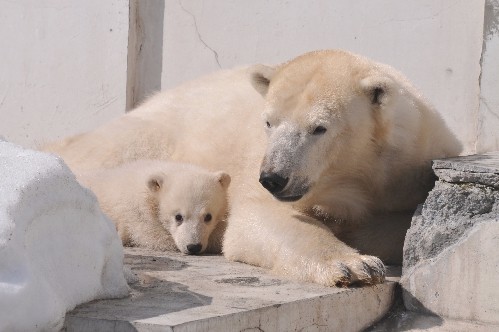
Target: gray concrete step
400	319
174	292
405	320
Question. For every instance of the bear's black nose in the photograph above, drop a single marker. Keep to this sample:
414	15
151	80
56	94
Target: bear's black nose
194	248
273	182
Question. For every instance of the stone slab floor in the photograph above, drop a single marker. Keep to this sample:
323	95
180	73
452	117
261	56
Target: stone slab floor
449	278
174	292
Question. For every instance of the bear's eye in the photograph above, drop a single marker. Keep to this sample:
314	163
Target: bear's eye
268	124
207	218
319	130
179	218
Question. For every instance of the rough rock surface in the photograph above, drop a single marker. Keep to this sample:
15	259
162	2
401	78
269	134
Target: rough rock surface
482	169
450	252
466	194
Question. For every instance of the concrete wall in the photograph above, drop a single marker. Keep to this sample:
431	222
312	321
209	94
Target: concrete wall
448	48
145	49
488	113
63	67
437	44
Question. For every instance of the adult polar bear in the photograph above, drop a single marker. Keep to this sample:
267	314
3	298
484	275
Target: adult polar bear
342	139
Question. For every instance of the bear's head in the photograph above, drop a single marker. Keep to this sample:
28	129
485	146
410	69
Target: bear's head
328	113
190	203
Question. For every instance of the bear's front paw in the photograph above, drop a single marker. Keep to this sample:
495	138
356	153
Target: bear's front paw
353	270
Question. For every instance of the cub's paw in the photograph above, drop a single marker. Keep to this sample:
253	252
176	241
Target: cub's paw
353	270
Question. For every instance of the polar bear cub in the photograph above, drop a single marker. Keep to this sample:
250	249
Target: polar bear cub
163	205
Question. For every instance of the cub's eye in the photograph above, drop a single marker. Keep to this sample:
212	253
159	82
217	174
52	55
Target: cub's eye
268	124
207	218
179	218
319	130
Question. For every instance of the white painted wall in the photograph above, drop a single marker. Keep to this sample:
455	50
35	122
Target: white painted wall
488	113
63	67
65	71
437	44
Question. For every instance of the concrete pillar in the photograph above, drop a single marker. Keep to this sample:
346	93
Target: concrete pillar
145	50
488	112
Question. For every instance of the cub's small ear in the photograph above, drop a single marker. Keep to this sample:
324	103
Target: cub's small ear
260	78
377	89
223	178
155	182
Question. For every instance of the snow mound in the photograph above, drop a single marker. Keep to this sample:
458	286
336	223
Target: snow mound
57	249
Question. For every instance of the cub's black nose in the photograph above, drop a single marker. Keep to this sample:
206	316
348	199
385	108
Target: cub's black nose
194	248
273	182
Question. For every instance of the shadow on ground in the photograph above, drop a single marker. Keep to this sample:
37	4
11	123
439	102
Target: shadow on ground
400	319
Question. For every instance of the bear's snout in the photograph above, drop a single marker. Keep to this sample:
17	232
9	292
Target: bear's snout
273	182
282	188
194	248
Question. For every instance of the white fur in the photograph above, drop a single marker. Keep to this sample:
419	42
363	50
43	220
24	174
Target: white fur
143	197
373	160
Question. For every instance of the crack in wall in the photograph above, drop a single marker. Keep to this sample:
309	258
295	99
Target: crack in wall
488	108
199	34
4	97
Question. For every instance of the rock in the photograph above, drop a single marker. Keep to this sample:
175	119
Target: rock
451	265
482	169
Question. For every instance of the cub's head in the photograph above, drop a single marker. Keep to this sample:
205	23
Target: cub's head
325	111
190	203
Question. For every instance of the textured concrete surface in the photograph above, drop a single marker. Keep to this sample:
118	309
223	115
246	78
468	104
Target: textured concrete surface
411	321
207	293
404	320
480	169
462	282
465	195
450	253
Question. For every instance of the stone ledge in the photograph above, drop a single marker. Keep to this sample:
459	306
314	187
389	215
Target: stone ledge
464	196
450	251
207	293
482	169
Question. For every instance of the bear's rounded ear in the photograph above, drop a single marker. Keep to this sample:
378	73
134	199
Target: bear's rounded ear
223	178
377	89
155	182
260	78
